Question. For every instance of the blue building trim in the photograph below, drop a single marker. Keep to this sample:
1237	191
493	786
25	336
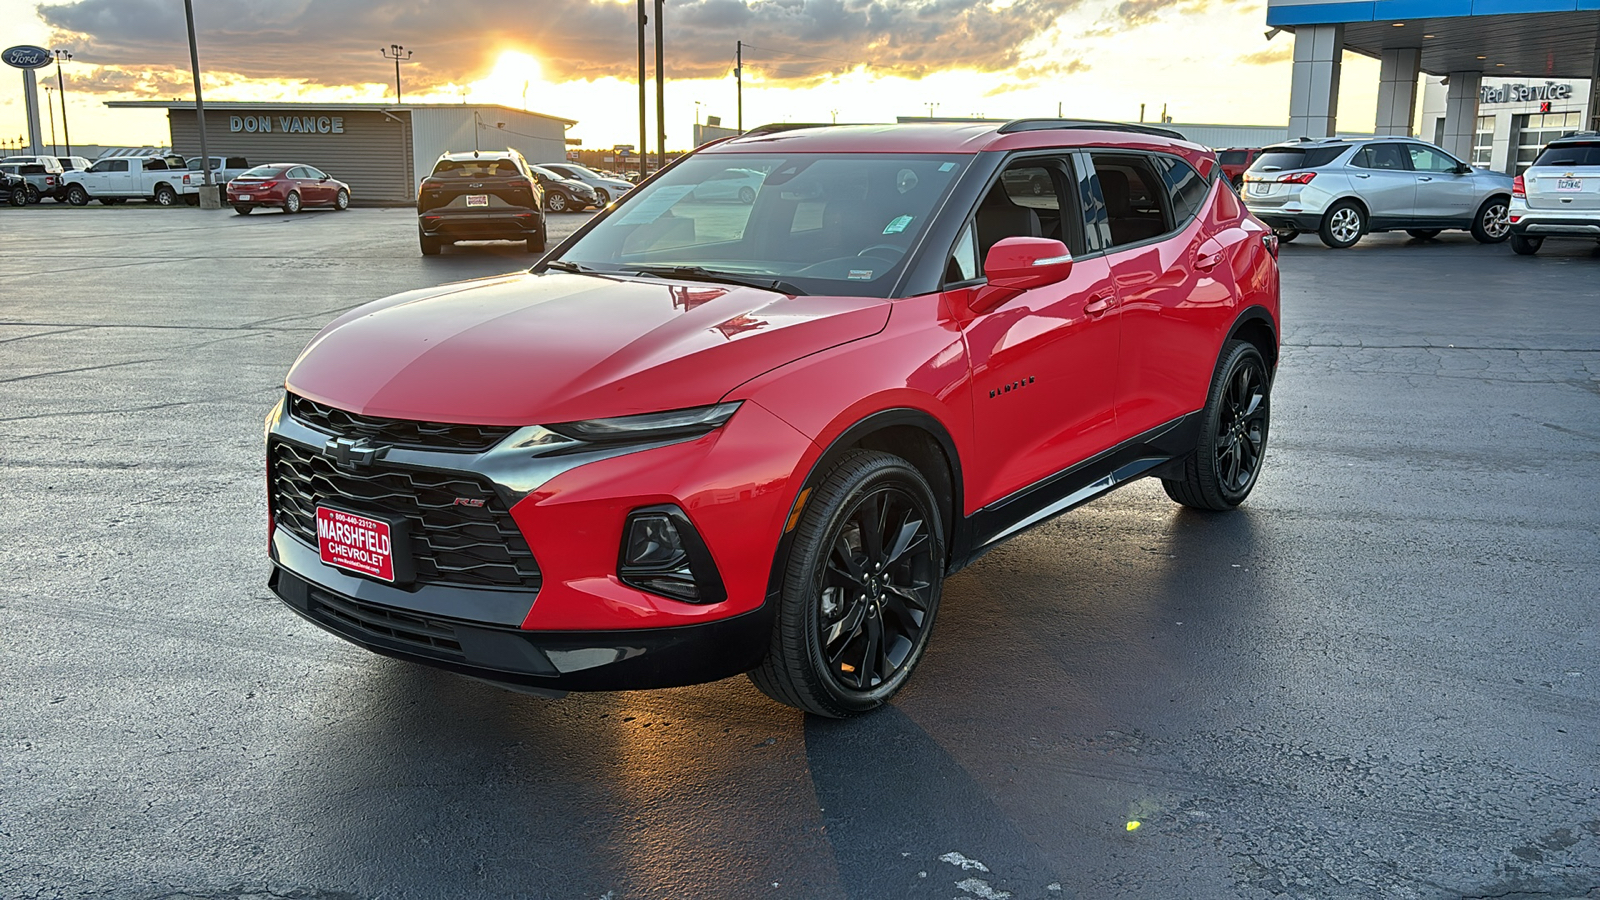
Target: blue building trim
1339	11
1320	13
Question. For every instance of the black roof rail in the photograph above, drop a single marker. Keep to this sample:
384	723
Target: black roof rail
1018	125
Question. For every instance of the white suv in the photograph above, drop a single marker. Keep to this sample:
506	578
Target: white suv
1559	195
1343	189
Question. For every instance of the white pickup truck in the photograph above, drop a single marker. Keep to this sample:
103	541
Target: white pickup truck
120	179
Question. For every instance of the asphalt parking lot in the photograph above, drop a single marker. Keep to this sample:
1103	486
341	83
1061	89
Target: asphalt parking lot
1376	679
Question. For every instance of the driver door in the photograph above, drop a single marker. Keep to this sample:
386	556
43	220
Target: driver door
1044	364
1442	193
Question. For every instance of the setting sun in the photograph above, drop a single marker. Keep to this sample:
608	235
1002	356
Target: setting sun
515	76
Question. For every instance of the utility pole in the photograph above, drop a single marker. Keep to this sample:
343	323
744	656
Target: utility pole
738	82
1141	114
661	97
208	197
931	107
397	53
644	133
61	88
49	103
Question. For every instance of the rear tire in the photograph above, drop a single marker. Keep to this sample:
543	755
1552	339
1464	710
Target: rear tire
33	193
1522	245
1343	225
1423	234
747	196
555	201
860	589
244	210
1491	225
1226	461
1286	235
165	195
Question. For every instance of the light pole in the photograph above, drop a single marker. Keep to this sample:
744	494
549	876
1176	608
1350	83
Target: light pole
399	54
208	197
61	88
931	107
49	103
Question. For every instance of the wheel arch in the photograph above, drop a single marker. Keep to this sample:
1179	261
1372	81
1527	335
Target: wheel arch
912	434
1255	325
1355	199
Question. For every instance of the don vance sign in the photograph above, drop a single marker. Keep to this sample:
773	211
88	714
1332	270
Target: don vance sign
287	124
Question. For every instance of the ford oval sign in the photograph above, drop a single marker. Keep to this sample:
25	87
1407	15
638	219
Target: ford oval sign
24	56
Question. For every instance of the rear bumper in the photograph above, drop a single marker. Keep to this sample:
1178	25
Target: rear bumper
544	661
1533	224
1301	221
512	224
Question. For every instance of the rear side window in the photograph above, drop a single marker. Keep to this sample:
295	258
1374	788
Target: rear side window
1586	154
1278	159
1186	189
1137	205
155	165
1233	157
1379	156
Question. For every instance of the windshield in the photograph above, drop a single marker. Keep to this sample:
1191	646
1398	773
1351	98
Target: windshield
482	167
1585	154
1276	159
823	223
264	172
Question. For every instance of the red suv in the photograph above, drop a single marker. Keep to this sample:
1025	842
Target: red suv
1235	160
700	439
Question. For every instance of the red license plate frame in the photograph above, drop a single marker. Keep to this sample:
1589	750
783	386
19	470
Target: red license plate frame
367	545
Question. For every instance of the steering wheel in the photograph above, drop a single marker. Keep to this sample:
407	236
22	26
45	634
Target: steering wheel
896	251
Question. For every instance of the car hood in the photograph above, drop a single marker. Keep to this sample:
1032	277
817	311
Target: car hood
536	349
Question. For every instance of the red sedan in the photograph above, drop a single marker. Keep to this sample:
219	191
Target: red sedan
699	440
287	186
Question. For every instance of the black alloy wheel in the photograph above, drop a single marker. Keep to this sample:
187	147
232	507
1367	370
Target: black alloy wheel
33	193
77	196
1233	434
291	203
555	201
341	200
18	196
861	587
1492	224
1523	245
1423	234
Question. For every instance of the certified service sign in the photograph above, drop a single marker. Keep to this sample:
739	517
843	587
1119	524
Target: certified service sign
24	56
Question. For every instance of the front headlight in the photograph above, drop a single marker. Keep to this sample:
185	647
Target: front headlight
649	426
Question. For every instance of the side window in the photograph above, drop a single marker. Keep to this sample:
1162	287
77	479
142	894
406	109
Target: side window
117	165
963	264
1026	202
311	173
1186	189
1379	156
1427	159
1136	200
155	165
296	172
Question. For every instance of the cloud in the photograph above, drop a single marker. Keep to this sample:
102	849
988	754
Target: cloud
1271	56
336	42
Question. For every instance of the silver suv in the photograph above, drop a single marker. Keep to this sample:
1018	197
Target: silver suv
1559	195
1342	189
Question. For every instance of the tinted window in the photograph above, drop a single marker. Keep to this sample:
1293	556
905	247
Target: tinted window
1379	156
1587	154
116	165
1233	157
312	172
1186	189
1027	203
1136	198
236	162
154	165
264	172
1276	159
1427	159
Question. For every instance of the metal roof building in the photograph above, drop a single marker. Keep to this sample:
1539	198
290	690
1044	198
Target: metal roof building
381	150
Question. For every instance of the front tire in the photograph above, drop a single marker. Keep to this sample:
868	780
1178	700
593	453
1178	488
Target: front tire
1522	245
747	196
1491	225
18	196
860	589
1223	468
77	196
1343	225
341	200
291	203
602	198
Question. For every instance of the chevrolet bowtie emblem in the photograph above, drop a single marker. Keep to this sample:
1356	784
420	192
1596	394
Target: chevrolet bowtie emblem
353	453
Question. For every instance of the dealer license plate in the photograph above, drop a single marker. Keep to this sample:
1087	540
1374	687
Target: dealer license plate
356	542
1569	184
244	196
1258	188
477	199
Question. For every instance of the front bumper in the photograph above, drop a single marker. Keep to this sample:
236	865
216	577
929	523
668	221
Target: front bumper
576	626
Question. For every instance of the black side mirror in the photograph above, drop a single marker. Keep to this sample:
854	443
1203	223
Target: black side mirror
1463	169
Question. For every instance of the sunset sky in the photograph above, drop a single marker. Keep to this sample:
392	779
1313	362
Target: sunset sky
806	60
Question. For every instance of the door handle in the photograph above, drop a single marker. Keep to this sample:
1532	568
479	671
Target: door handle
1359	175
1424	178
1098	306
1208	262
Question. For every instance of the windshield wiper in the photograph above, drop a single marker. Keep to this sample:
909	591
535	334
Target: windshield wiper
701	273
562	265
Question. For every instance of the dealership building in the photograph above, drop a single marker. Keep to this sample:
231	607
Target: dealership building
381	150
1516	118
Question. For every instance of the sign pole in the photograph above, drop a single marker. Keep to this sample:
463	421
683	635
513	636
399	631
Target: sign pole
208	197
30	89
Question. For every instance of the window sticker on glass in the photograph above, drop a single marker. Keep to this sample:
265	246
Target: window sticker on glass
860	275
947	167
650	208
897	225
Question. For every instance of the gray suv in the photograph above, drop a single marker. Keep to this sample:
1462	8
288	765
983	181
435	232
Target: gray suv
1342	189
1559	195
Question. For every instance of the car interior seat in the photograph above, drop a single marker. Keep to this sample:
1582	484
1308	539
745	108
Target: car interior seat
1127	224
999	218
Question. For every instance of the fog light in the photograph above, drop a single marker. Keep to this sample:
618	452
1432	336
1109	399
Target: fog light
663	554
